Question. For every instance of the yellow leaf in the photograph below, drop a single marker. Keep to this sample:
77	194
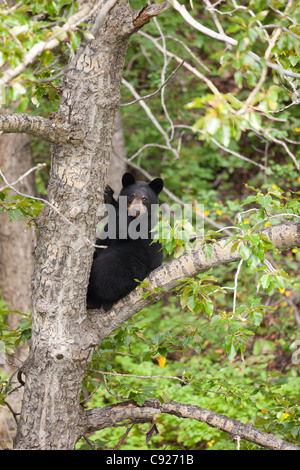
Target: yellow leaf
161	361
246	222
267	224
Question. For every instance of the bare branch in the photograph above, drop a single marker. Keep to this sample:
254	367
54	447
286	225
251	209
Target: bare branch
224	38
39	127
44	201
286	30
139	376
156	91
226	149
112	415
189	67
37	167
150	115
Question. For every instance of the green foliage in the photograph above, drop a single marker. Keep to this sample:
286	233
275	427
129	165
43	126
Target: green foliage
19	207
226	334
21	29
243	390
11	338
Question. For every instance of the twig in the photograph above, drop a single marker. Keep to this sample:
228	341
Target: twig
224	38
236	284
226	149
150	115
158	89
286	30
189	67
121	441
269	136
265	69
44	201
108	391
215	18
163	74
89	442
139	376
37	167
189	50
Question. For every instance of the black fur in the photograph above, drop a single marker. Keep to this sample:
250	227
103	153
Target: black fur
126	258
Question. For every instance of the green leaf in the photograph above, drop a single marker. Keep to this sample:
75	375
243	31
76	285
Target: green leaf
264	201
212	125
232	350
208	251
265	280
294	59
256	317
245	252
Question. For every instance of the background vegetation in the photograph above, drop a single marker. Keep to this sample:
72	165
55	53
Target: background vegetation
224	340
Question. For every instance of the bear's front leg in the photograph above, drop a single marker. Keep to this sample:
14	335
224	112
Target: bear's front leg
108	196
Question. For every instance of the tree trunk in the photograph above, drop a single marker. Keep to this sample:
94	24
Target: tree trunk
59	352
16	264
118	163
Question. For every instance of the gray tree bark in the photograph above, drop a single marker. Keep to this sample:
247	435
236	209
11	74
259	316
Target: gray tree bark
60	349
118	165
16	266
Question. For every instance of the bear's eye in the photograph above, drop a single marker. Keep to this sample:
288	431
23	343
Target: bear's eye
131	197
144	198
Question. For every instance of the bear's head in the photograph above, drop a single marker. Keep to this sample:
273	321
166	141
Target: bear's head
140	195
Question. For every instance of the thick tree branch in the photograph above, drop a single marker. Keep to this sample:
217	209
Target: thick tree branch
284	236
39	127
100	418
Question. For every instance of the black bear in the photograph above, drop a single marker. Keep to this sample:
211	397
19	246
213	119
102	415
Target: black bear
130	253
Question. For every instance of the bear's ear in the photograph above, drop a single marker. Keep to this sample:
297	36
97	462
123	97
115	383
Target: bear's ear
157	185
127	179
